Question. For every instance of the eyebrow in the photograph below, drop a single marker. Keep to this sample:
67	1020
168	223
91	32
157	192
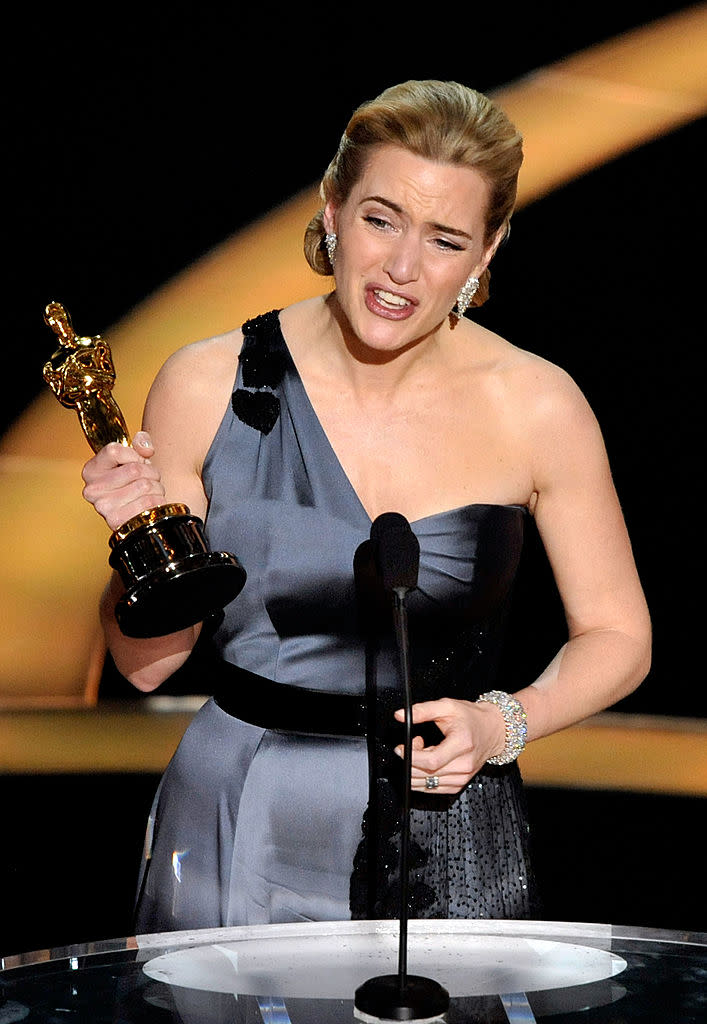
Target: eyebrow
398	209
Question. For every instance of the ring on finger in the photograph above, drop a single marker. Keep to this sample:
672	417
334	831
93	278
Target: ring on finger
431	781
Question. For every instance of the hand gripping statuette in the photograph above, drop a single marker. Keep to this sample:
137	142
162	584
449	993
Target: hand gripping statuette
171	578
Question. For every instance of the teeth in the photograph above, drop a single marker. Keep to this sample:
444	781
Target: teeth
392	300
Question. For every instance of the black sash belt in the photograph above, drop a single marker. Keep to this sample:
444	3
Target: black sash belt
283	708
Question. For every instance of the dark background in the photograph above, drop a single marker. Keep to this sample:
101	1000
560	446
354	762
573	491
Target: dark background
139	141
141	137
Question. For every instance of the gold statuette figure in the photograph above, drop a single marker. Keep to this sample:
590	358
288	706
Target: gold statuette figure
171	577
81	375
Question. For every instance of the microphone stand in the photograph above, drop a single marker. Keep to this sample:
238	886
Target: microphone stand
401	996
400	614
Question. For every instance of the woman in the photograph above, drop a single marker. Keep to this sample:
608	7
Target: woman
378	396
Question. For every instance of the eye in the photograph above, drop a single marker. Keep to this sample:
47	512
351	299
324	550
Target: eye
447	246
377	222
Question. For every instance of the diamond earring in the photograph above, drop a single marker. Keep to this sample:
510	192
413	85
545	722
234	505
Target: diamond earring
466	295
330	241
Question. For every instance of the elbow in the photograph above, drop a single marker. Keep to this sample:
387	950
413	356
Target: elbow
147	673
143	681
646	642
646	660
642	657
145	663
638	675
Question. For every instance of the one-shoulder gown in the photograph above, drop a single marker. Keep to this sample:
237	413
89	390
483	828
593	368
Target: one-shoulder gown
254	825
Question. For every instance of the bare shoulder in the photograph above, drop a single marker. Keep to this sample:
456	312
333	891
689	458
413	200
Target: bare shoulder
190	393
548	424
541	394
203	364
563	438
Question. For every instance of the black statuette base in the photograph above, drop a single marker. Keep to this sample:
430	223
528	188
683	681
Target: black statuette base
180	595
171	578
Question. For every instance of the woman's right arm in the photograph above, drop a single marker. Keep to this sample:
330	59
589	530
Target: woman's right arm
120	482
145	663
182	413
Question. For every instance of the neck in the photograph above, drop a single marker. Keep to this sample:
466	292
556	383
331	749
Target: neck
368	368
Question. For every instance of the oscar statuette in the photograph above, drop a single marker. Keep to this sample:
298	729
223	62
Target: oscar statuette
172	580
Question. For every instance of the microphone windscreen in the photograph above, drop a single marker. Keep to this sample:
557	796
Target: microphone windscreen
396	551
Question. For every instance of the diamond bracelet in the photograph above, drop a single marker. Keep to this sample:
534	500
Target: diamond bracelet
516	727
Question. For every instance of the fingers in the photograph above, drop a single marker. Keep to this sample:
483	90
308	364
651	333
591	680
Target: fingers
452	773
142	443
430	711
455	720
120	481
116	454
454	761
444	784
451	766
433	758
452	777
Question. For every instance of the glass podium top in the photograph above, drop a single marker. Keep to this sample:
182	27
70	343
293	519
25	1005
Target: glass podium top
496	972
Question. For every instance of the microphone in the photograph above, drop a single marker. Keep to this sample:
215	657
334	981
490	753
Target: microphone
395	551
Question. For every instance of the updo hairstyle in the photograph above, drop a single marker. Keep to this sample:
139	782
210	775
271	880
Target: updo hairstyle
441	121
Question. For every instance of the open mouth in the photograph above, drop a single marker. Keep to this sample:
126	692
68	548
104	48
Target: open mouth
390	299
389	304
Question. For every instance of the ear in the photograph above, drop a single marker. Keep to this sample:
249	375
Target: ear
329	217
490	250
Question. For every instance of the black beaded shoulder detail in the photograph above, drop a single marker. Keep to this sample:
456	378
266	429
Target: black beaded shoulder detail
263	362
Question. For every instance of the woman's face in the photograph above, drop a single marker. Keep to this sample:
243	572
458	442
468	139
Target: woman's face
409	235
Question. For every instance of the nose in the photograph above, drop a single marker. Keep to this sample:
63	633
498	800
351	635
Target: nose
403	259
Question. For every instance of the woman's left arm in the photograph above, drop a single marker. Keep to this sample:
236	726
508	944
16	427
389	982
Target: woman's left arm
608	650
577	511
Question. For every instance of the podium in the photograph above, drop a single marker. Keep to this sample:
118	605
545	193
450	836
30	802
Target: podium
307	973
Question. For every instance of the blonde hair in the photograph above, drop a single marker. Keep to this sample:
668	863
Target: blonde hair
441	121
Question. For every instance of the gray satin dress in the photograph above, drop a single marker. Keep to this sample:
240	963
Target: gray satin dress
256	825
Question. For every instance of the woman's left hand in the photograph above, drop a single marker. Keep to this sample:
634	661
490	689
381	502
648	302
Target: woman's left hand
472	734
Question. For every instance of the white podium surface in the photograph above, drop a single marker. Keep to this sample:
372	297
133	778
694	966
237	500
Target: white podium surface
331	961
494	971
